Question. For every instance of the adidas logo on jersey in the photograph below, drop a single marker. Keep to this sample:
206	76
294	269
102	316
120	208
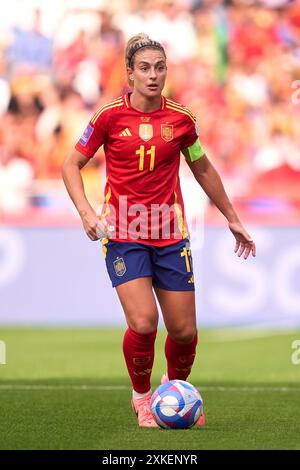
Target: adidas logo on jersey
125	133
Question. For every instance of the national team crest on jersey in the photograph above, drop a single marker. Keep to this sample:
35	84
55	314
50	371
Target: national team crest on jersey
120	267
146	131
166	132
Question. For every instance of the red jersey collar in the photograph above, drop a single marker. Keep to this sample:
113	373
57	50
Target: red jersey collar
126	100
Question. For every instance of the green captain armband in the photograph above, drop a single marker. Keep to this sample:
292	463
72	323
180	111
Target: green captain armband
193	152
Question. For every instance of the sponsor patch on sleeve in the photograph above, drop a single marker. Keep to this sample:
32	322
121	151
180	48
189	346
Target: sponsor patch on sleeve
86	135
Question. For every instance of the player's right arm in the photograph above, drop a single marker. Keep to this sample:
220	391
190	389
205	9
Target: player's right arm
73	181
90	141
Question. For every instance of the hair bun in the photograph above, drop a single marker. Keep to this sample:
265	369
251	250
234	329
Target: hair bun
137	42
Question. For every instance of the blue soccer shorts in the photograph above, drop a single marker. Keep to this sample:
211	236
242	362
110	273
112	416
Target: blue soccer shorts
170	266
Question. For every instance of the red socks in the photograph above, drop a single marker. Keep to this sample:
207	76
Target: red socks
180	358
138	351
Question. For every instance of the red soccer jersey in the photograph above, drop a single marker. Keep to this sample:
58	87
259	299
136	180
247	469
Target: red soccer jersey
143	200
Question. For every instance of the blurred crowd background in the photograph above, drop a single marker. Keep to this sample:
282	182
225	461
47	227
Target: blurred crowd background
235	64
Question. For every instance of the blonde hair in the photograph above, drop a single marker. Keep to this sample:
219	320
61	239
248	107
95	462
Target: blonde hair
137	42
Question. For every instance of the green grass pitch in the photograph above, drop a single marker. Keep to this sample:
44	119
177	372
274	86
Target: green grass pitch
68	389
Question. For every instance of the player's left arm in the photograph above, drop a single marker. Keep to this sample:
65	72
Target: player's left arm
209	179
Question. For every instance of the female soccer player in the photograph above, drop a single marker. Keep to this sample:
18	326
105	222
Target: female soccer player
142	225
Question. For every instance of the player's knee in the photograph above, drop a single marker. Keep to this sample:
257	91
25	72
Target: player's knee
144	326
184	335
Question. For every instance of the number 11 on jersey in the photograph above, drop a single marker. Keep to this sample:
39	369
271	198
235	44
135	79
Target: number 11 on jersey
141	153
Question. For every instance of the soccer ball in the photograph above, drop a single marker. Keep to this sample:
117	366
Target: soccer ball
176	405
